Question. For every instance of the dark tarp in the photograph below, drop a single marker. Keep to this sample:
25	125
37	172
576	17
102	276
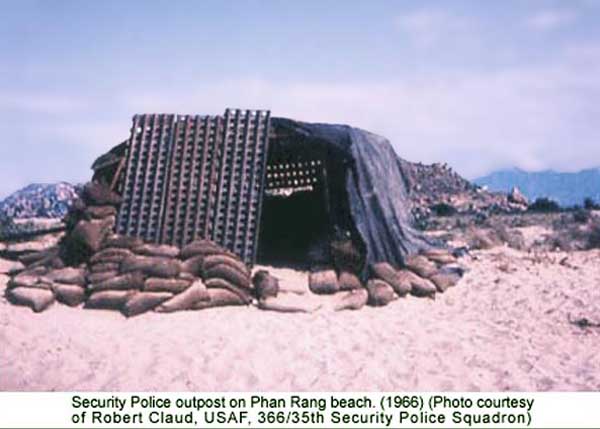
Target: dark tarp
375	191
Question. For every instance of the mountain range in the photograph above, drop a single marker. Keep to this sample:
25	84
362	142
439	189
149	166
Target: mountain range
568	189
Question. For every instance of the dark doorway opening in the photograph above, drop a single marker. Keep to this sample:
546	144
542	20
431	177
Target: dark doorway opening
295	220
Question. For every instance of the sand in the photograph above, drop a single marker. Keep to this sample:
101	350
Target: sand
503	327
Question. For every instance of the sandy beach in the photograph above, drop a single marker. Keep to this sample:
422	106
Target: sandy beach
505	326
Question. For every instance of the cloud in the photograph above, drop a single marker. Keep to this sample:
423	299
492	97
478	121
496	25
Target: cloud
532	117
40	103
551	19
427	27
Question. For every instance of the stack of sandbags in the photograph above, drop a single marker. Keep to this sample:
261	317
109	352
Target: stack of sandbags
439	266
119	272
419	286
49	258
134	277
401	282
89	222
31	290
68	285
41	277
225	275
422	275
345	286
324	280
384	272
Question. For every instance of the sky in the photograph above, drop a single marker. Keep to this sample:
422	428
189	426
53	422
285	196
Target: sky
479	85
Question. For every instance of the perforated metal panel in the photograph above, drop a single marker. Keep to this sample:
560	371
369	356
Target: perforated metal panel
285	178
191	177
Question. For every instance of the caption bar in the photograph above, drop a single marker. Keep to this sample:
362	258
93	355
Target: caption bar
334	410
259	410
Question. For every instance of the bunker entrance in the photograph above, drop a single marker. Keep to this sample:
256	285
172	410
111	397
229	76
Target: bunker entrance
295	221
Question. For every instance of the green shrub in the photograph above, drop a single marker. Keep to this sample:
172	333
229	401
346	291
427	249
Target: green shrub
593	241
544	205
443	209
581	216
590	204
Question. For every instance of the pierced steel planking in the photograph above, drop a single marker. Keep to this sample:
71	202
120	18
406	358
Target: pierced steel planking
189	177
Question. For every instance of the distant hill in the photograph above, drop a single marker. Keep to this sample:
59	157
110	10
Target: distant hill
567	189
39	201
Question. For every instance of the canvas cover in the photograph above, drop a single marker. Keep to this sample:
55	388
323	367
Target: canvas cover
375	187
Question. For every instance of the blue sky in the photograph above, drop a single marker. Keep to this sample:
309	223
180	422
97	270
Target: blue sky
478	84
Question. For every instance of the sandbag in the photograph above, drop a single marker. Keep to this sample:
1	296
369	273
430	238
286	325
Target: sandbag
99	212
211	261
352	300
288	303
144	301
110	255
35	271
23	280
102	276
230	274
10	267
71	295
29	258
349	281
387	273
419	286
380	293
186	299
152	266
219	298
200	248
158	284
186	276
444	281
193	265
323	281
440	256
69	276
217	283
34	298
51	262
103	267
97	194
265	285
109	299
133	280
122	242
42	258
420	265
162	250
89	234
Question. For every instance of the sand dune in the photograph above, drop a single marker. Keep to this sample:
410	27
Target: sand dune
504	327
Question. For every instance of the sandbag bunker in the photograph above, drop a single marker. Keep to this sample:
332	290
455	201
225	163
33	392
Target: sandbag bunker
102	270
176	217
99	269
